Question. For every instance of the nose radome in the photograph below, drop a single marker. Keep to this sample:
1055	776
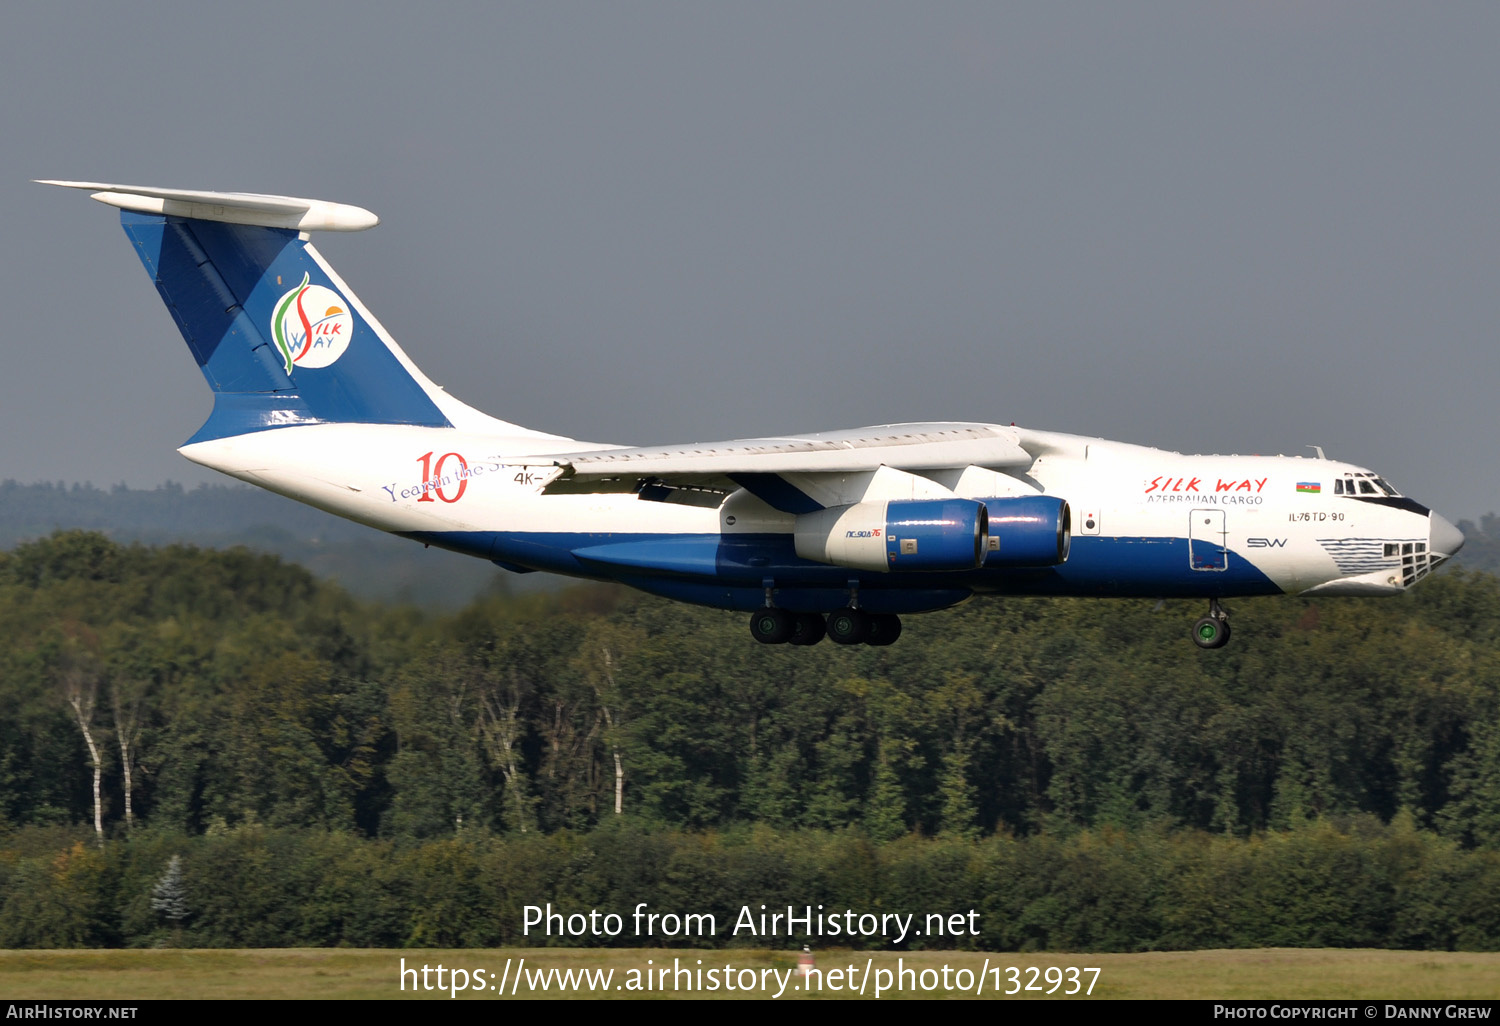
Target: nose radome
1443	538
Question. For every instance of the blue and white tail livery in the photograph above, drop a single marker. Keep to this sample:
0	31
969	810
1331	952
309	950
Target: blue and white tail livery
833	534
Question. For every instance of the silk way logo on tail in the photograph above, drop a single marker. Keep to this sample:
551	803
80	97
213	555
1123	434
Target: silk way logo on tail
311	326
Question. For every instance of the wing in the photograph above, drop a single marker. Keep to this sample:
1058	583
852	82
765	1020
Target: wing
801	473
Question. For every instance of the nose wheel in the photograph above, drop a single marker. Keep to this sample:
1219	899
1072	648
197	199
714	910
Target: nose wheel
1213	630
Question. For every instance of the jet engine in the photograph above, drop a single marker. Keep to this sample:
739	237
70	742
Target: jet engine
1028	530
897	535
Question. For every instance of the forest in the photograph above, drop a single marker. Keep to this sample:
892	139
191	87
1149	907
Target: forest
369	564
217	748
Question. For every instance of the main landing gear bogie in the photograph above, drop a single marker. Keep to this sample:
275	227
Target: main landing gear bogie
1213	630
855	626
773	626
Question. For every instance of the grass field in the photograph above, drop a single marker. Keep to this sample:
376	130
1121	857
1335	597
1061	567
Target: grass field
346	973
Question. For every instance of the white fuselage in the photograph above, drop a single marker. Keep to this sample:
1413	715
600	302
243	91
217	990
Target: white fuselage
1144	521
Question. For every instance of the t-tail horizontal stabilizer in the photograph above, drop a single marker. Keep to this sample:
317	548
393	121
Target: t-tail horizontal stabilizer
279	336
306	215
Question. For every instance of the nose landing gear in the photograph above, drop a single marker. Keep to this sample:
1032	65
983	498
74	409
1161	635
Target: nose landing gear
1213	630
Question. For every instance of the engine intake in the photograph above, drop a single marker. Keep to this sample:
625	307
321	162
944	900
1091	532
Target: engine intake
898	535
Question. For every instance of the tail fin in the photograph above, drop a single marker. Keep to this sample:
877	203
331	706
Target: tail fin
279	336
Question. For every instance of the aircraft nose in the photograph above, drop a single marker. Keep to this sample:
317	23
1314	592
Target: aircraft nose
1443	538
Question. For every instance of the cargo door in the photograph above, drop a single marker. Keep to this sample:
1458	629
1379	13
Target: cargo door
1207	540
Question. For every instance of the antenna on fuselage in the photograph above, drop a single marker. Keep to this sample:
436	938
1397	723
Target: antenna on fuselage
1317	449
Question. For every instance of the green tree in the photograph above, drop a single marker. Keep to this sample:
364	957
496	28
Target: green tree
169	895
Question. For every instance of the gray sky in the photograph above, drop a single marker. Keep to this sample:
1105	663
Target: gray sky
1210	227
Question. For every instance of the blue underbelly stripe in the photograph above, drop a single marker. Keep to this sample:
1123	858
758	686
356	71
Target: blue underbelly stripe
713	569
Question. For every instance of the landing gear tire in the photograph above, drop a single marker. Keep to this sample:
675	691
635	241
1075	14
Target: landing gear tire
771	626
808	629
883	629
848	626
1211	632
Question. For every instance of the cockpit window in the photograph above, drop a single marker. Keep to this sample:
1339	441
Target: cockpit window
1363	483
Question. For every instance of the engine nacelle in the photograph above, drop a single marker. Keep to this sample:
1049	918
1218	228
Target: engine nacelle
1028	530
897	535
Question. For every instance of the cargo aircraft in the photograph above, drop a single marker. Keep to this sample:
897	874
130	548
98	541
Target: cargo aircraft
832	534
